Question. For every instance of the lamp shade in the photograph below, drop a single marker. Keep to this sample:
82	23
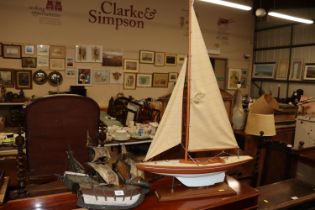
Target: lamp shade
260	124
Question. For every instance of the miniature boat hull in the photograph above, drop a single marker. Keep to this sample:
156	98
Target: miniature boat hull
104	197
195	174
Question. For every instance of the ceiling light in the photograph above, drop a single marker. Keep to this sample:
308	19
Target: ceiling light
229	4
289	17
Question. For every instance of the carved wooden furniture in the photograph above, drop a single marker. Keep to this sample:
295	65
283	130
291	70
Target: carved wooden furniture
246	198
54	124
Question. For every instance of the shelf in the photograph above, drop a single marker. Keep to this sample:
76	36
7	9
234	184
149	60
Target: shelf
283	81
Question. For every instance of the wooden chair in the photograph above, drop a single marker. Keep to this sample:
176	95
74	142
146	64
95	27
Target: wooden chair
54	124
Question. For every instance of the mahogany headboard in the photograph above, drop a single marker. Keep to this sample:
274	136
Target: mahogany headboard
53	124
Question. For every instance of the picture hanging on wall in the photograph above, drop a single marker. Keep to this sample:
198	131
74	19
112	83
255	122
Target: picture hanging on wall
96	53
55	78
42	61
129	81
144	80
234	77
160	80
296	70
170	59
172	76
264	70
11	51
7	77
112	58
70	62
29	50
43	49
181	59
40	77
131	65
116	76
146	56
159	59
282	70
84	76
100	76
70	72
81	53
309	71
29	62
57	64
23	79
57	51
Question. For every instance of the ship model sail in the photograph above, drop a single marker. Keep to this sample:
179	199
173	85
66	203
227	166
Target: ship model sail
207	126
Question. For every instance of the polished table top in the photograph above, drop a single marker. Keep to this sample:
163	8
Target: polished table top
67	201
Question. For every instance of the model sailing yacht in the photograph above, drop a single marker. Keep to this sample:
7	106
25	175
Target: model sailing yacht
207	126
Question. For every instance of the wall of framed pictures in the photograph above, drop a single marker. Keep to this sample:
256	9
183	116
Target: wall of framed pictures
97	55
282	64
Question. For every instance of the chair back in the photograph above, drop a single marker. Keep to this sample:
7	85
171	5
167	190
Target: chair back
54	124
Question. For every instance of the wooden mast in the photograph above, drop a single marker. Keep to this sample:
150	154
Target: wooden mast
187	120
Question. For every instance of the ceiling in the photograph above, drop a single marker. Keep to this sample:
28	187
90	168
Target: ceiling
283	4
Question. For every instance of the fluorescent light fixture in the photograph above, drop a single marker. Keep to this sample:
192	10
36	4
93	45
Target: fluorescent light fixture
289	17
229	4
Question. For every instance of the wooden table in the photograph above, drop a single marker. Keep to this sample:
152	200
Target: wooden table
286	194
246	198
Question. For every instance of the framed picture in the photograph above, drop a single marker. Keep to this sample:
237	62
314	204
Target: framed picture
43	49
70	62
170	59
57	51
7	77
55	78
42	61
309	71
84	76
131	65
100	77
129	81
96	53
11	51
234	78
116	77
146	56
282	70
144	80
70	72
81	53
23	79
29	50
172	76
57	64
264	70
111	58
181	59
159	59
296	70
29	62
160	80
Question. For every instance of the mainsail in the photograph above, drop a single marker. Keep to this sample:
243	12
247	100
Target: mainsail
209	126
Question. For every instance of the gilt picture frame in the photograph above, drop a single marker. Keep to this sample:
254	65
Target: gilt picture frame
160	80
131	65
29	62
57	51
264	70
146	56
11	51
23	79
159	59
129	81
282	70
309	71
7	77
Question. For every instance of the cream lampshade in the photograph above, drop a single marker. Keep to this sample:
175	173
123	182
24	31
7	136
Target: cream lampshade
260	124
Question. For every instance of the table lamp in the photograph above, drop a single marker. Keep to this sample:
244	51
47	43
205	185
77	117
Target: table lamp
260	125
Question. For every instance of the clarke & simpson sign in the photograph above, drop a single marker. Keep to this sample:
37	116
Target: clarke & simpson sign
110	13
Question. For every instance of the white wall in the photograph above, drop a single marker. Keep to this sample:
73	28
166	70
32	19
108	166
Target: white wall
163	34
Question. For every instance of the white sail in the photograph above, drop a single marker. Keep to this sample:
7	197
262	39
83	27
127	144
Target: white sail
210	128
169	132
